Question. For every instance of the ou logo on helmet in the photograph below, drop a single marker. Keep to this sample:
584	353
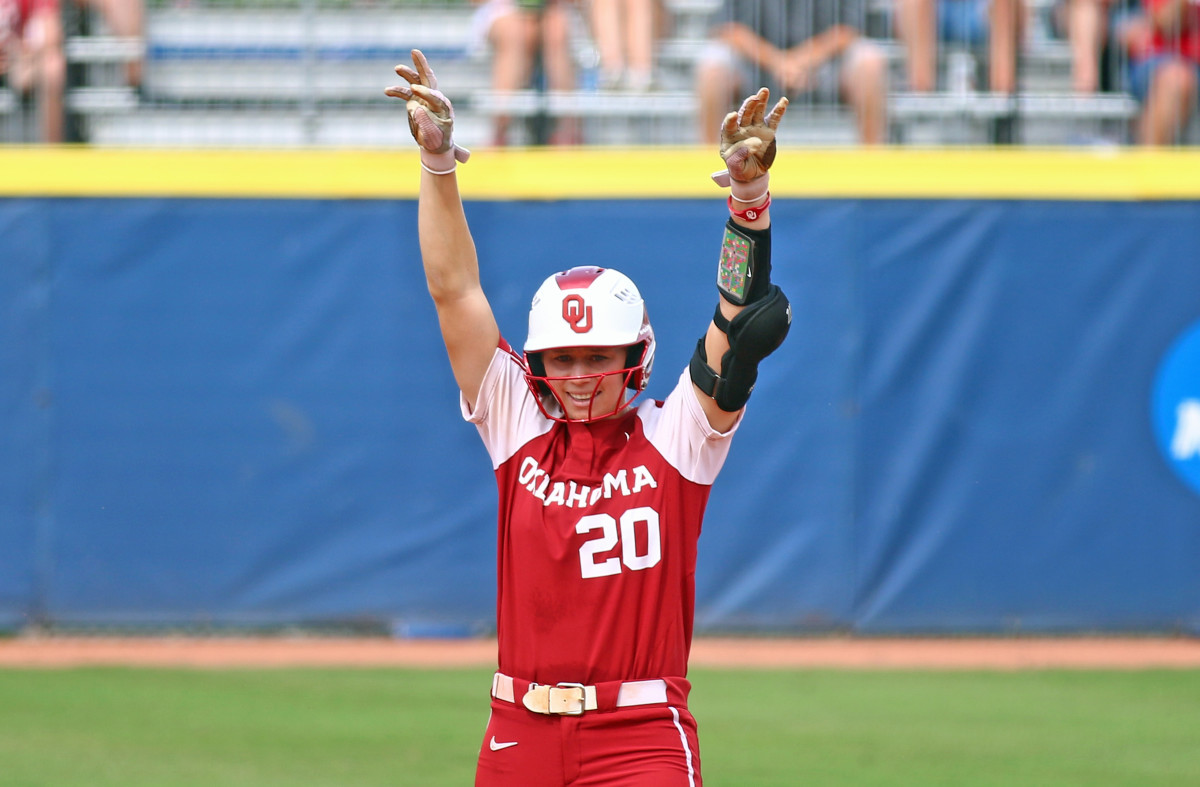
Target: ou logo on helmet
577	313
1176	407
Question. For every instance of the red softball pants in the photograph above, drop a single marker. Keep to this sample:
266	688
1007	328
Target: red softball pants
646	746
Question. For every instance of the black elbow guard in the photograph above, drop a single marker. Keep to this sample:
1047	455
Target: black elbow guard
754	333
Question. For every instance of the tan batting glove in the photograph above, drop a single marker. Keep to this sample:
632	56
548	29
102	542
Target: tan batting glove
430	116
748	146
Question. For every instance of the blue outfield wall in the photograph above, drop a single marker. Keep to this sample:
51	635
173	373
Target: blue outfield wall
239	411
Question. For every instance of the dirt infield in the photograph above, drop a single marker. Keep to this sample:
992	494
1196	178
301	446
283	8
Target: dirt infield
838	653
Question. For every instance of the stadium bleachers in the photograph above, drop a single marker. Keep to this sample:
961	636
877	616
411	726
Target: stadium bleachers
9	118
311	72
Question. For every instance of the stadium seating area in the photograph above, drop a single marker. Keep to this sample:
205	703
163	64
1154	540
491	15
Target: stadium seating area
288	73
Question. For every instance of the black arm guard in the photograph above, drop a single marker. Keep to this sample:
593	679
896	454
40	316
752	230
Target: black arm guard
754	333
744	269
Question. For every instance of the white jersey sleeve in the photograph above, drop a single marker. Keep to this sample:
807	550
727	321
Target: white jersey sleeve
679	430
505	412
507	418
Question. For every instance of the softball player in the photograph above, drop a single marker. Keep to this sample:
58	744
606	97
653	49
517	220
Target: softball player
600	499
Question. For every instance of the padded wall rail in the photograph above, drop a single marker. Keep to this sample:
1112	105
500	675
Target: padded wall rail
236	410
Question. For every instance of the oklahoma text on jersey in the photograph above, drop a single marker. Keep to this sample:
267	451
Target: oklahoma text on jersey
572	495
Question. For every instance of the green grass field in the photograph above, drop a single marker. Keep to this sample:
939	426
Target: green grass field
312	727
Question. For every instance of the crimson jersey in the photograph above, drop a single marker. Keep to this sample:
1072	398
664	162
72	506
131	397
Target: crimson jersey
598	528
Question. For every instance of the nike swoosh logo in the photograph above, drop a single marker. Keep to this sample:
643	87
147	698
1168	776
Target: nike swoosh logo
494	746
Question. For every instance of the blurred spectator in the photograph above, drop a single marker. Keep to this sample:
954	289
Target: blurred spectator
797	48
31	58
1165	68
1087	32
125	19
966	24
1096	31
625	32
523	35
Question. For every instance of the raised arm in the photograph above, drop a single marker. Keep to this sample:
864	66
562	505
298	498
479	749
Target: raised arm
468	326
752	316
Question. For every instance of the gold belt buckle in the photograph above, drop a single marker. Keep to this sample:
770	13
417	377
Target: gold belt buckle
582	699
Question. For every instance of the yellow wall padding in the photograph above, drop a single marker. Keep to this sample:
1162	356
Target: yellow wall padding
605	173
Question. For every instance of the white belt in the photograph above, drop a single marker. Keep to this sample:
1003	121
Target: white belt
572	699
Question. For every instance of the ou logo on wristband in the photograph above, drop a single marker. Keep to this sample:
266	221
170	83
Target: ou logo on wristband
577	313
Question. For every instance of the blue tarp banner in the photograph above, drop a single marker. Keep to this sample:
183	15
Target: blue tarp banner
239	412
24	407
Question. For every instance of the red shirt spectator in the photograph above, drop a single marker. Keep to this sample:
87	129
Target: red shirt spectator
31	58
15	14
1181	37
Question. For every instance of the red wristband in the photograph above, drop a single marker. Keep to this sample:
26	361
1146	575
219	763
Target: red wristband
750	214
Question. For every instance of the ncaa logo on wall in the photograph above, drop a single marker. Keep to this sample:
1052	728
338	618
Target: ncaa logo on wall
1176	407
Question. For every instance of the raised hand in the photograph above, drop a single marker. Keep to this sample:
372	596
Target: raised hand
748	136
430	113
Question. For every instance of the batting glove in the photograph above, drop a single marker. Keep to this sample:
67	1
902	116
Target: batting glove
748	146
430	116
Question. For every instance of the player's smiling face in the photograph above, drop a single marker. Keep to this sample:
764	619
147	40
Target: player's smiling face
592	389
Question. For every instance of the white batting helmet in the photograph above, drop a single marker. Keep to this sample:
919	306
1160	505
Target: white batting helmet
590	307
